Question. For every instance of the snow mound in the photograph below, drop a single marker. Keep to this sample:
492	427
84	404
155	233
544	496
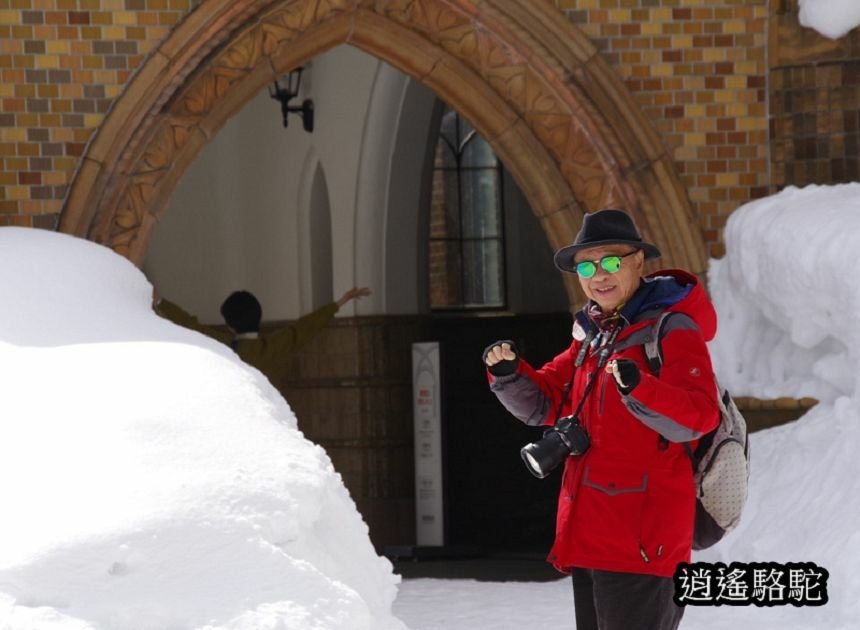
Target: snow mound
150	479
789	314
831	18
789	325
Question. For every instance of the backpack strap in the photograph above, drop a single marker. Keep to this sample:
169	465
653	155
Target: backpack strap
653	351
654	356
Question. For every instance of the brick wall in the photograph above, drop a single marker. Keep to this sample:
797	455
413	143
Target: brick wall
698	70
814	102
701	70
62	64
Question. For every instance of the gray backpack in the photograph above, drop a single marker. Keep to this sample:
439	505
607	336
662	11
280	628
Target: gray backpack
721	461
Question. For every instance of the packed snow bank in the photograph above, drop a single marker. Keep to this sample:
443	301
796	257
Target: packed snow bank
788	303
150	480
786	296
831	18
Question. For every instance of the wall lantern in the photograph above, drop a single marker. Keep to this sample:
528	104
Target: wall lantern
284	90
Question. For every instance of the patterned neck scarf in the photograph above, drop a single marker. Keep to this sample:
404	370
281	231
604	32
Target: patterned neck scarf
604	320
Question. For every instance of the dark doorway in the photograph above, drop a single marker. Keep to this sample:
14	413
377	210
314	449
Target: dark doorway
492	502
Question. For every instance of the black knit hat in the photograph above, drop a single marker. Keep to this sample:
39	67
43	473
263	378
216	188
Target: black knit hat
242	312
604	227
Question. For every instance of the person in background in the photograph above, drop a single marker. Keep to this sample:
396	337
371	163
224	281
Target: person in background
627	502
243	314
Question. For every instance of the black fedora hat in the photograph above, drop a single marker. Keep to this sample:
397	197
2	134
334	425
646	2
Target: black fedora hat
604	227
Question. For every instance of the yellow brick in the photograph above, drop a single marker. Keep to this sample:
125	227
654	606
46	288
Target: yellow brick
63	135
736	83
694	139
682	41
14	134
54	178
28	120
734	27
126	18
652	28
104	77
10	17
93	120
725	96
47	61
113	32
727	179
617	16
17	192
25	90
751	124
7	89
747	67
714	54
101	17
736	110
661	15
661	70
694	111
53	47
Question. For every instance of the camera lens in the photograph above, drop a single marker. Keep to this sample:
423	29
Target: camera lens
567	437
543	456
532	464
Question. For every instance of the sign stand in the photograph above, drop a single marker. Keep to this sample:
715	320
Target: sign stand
429	478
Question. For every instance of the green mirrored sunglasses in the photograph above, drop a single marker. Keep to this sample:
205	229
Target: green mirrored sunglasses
610	264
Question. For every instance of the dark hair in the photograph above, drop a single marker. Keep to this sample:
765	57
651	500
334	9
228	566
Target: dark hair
242	312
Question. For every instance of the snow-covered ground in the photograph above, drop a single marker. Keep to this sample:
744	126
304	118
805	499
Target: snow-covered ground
788	301
149	479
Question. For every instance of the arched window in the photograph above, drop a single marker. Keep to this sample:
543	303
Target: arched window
467	241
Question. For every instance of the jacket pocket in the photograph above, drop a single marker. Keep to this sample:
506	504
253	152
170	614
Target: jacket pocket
609	513
614	482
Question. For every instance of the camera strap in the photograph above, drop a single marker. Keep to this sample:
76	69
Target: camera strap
604	353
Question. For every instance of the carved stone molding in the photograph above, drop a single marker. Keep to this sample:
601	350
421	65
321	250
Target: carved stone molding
527	79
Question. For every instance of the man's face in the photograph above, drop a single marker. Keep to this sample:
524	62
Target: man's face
611	290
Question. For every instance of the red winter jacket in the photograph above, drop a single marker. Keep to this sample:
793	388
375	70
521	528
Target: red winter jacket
628	503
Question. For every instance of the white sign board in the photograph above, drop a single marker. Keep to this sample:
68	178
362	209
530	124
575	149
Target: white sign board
429	515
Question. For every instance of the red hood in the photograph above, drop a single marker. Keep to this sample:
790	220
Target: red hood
695	304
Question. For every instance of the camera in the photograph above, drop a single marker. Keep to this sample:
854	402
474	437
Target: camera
566	438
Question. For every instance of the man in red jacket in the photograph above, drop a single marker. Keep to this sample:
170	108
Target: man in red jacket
627	503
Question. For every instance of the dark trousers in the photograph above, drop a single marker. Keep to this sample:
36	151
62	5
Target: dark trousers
606	600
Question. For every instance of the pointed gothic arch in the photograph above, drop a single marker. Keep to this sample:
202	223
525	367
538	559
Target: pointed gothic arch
527	79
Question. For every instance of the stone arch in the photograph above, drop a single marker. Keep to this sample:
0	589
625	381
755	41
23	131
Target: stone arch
528	80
